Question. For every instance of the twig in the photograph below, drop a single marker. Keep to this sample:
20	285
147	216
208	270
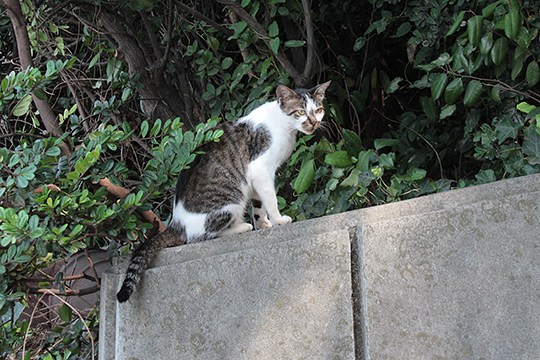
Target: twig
29	322
163	63
197	14
22	134
68	292
494	82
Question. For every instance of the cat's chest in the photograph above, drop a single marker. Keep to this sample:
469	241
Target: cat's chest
280	148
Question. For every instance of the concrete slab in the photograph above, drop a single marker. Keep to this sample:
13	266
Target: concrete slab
285	300
459	283
446	276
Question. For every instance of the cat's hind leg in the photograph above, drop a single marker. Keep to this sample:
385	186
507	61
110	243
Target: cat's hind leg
226	221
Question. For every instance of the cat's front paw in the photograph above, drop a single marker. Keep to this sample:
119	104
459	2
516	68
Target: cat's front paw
264	224
283	220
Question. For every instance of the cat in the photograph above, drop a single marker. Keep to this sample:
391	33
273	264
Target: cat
213	193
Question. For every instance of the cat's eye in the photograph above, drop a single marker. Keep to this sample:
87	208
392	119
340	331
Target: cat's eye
301	112
319	110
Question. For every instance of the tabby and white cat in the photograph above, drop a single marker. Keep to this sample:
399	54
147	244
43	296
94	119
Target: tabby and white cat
212	195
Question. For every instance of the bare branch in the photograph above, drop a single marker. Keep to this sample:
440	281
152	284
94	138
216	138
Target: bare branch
310	40
151	35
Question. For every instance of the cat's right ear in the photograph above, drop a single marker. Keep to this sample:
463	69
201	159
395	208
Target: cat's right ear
284	93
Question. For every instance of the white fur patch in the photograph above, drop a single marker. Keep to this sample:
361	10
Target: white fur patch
193	223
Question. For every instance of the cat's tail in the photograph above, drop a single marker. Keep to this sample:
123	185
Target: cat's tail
143	257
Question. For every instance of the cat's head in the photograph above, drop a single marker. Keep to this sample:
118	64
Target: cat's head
304	106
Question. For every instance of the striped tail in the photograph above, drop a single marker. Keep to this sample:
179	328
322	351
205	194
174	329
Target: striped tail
144	256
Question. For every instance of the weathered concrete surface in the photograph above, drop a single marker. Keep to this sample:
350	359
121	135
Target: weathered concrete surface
459	283
282	300
447	276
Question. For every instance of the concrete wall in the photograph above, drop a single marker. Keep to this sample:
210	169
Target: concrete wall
447	276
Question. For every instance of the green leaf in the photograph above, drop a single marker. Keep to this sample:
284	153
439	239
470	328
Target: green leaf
393	86
473	92
274	45
486	43
496	94
94	60
359	43
438	86
499	51
54	151
532	73
65	313
22	182
453	91
512	24
517	66
456	24
474	29
531	146
365	158
294	43
525	107
429	107
506	129
37	232
386	161
382	143
305	177
353	142
403	30
144	128
447	111
415	174
485	176
273	29
22	106
339	159
490	9
352	179
226	63
238	28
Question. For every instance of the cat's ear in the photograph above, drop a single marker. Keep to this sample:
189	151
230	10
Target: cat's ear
319	92
285	93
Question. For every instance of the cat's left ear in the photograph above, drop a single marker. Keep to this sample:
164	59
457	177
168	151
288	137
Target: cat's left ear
319	92
284	93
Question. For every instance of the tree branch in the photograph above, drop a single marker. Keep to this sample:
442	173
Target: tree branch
310	40
121	193
299	79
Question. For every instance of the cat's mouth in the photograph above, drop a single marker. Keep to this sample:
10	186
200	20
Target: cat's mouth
309	129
